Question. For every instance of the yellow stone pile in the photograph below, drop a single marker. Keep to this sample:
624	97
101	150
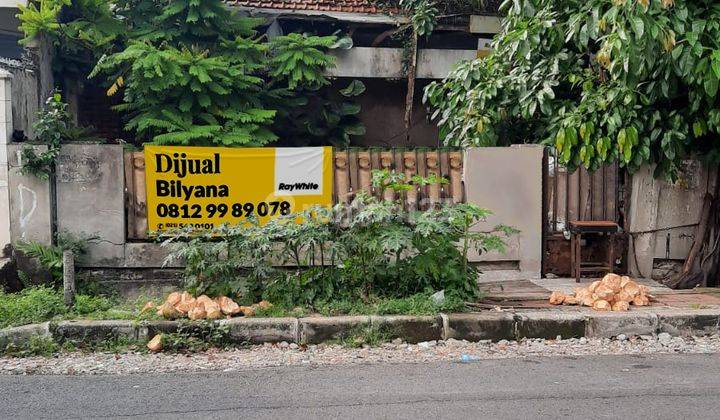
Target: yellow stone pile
184	305
612	293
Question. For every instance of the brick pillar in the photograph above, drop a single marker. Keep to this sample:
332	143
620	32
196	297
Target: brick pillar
6	129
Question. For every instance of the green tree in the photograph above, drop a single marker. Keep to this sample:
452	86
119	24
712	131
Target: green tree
189	71
601	80
634	81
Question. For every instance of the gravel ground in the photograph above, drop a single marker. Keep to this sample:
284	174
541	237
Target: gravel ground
283	354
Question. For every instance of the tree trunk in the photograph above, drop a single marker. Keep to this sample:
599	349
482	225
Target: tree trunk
411	74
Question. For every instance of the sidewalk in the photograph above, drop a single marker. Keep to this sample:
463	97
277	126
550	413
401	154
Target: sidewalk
534	293
511	310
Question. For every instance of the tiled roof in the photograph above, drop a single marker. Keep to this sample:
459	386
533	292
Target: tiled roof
349	6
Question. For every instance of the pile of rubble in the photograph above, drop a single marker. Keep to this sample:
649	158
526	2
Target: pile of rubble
181	305
612	293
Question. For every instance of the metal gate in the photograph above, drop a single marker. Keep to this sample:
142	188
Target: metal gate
579	196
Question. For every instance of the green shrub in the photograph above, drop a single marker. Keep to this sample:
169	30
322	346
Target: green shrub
196	336
419	304
50	257
37	346
86	305
40	304
372	248
34	304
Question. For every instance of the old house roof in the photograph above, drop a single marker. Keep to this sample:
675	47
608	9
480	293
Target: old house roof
347	6
362	6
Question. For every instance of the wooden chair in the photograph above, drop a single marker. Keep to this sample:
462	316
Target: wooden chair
604	228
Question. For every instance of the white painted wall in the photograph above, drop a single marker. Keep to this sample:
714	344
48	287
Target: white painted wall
508	181
12	3
386	63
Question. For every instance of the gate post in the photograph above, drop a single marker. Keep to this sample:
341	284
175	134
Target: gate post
6	129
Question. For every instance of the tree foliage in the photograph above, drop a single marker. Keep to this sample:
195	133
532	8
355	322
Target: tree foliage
601	80
189	71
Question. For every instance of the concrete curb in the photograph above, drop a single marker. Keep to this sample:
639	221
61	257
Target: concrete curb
463	326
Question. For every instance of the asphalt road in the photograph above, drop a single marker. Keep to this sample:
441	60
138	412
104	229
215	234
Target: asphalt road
658	387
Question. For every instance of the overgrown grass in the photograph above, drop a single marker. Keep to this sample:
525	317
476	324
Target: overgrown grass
372	336
40	304
47	347
420	304
37	346
196	336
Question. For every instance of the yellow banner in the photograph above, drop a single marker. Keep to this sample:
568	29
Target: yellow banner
208	186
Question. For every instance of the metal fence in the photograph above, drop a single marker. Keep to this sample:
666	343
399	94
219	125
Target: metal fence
582	195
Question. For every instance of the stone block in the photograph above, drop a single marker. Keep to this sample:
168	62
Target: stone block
481	326
93	332
262	330
690	322
549	325
612	324
412	329
318	330
149	255
132	283
149	329
20	336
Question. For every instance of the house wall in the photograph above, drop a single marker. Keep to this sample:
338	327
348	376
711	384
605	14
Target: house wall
388	62
383	113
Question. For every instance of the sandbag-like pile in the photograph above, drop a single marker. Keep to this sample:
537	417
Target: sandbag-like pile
184	305
612	293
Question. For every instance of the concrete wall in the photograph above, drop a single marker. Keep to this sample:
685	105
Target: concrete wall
90	203
30	216
91	200
659	209
388	62
508	181
25	100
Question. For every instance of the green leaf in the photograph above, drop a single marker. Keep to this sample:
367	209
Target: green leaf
349	109
716	63
356	129
711	86
560	140
638	26
344	43
571	135
355	88
632	135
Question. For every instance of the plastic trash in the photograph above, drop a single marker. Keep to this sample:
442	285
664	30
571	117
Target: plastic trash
467	358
